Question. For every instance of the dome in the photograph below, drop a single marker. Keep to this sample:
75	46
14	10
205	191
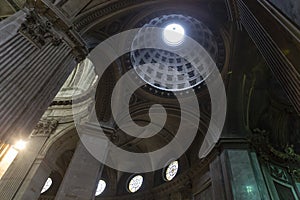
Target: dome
166	70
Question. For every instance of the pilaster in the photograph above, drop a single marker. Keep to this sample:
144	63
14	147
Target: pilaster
15	176
81	177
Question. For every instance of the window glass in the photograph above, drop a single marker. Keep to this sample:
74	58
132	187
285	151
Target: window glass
100	188
135	183
47	185
171	170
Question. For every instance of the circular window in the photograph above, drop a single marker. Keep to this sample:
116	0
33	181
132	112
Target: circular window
173	34
135	183
100	188
47	185
171	170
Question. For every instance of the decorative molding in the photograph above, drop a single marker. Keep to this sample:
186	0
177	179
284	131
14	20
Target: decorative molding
260	141
45	18
45	128
278	173
295	174
288	154
38	31
286	158
86	19
61	103
281	173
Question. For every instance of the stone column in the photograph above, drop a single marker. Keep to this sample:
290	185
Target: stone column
217	179
16	173
33	183
82	176
244	175
268	34
34	63
39	171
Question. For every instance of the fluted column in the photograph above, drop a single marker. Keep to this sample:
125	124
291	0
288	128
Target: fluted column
33	183
33	66
16	173
39	171
284	68
81	178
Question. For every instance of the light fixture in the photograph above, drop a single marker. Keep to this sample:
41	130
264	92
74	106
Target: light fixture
20	145
173	34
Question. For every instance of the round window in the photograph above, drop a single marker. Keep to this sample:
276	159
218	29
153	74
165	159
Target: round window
135	183
173	34
171	170
100	188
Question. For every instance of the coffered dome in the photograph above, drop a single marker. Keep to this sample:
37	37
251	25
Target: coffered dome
166	70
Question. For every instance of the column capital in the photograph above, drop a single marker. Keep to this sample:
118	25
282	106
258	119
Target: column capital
45	128
38	30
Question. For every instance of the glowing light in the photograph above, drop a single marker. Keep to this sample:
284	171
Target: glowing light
173	34
135	183
20	145
47	185
249	189
100	188
171	170
7	160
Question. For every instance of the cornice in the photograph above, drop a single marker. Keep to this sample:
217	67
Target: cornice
86	19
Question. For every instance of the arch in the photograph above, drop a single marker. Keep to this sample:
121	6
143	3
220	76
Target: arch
62	141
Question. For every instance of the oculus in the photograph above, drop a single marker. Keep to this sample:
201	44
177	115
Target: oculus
173	34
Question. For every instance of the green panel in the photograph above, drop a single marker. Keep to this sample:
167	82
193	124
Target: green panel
244	183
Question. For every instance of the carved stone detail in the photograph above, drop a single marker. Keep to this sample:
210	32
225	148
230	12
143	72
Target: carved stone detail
278	173
296	174
45	27
260	141
38	31
45	128
287	158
